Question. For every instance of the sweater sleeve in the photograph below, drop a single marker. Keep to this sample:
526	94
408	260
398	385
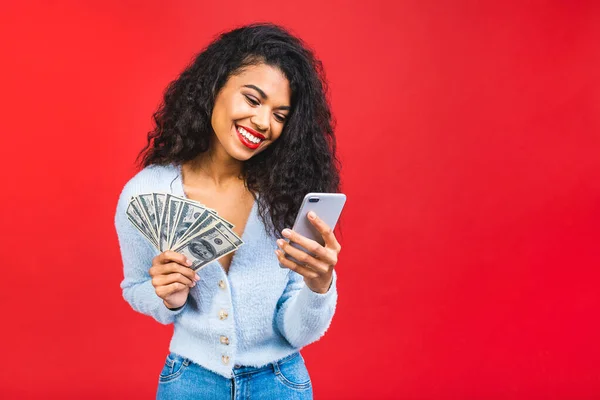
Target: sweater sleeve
303	316
137	254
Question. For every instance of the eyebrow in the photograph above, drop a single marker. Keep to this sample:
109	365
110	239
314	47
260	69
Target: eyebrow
264	96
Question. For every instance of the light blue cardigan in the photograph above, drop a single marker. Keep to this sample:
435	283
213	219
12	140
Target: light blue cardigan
271	313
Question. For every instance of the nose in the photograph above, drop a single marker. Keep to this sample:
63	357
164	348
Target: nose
261	119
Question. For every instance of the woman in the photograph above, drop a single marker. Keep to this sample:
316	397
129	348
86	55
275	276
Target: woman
245	130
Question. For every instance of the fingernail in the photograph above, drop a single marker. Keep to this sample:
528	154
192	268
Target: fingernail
188	262
286	232
193	284
197	277
312	215
280	242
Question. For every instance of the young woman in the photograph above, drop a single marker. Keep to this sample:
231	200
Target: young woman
245	130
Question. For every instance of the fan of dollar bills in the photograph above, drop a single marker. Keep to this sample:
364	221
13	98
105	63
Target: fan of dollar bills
184	226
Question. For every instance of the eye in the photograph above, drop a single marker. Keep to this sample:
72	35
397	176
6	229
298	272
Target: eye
280	118
252	100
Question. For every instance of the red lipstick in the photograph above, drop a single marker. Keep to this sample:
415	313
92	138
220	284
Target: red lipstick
245	141
253	132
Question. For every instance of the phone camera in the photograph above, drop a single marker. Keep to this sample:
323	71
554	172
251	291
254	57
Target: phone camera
313	200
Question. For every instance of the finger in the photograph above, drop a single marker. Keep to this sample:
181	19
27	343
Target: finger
164	280
164	291
324	230
186	271
302	270
307	259
309	244
170	256
173	267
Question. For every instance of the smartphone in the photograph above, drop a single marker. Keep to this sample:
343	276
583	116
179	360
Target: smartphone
327	206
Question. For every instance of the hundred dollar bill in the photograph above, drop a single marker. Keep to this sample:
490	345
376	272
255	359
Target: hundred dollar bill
134	215
173	210
206	247
149	207
170	222
159	201
192	214
210	210
163	234
229	234
195	227
144	214
206	223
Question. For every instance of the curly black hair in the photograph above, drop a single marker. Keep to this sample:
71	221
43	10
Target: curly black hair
302	160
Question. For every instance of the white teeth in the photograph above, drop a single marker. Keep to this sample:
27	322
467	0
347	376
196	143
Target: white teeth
248	136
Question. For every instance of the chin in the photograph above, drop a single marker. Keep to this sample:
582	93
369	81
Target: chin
241	154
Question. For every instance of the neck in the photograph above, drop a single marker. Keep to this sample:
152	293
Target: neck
216	166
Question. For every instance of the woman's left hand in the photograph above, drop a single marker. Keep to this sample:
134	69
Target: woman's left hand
317	271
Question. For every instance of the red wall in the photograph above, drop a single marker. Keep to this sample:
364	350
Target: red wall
470	136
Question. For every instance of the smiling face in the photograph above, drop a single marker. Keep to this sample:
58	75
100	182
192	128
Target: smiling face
250	111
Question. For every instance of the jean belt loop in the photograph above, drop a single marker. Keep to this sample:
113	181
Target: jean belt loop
275	365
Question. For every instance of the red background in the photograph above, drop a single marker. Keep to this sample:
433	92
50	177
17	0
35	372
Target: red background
469	134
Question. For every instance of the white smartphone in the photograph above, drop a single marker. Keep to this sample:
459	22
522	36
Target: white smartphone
327	206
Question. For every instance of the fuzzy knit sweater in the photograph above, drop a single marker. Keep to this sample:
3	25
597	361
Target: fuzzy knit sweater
255	314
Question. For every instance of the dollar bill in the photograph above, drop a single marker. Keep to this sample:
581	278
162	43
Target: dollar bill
206	247
141	230
135	216
164	225
192	215
149	207
194	228
146	217
229	234
181	224
207	222
159	201
210	210
173	209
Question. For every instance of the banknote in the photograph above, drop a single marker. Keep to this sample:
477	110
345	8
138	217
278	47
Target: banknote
206	247
197	226
146	202
183	225
190	218
159	201
135	216
164	226
173	209
229	234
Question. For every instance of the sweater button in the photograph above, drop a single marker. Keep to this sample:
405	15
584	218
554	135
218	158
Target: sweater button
222	315
225	360
222	284
224	340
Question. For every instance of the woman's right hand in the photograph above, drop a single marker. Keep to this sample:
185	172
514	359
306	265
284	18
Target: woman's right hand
172	278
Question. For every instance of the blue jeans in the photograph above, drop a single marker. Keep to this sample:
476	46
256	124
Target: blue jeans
287	378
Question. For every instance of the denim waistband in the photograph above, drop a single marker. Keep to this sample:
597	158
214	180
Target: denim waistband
244	370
